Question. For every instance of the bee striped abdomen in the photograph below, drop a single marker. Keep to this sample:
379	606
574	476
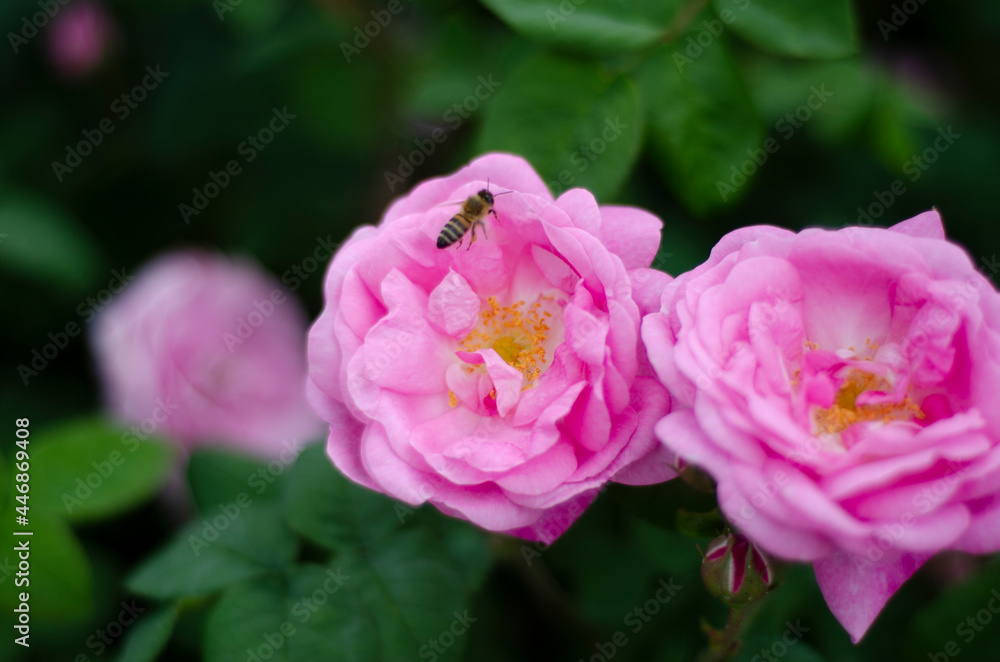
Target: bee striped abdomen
453	230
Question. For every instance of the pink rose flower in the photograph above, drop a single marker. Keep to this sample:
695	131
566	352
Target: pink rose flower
79	38
841	387
504	382
201	348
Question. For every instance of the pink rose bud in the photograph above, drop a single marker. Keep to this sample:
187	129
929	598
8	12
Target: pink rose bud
503	380
202	349
79	38
735	571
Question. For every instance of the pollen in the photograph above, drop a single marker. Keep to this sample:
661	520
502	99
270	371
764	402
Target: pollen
452	399
846	411
517	333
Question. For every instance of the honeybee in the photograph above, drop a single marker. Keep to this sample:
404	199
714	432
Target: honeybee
474	211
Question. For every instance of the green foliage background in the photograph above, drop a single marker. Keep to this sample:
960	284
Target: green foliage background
676	96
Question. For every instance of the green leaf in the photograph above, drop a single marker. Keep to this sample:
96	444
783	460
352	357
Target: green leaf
384	603
192	566
324	506
576	124
412	590
595	26
780	87
43	242
60	587
820	29
248	619
960	615
702	121
86	470
330	621
150	635
218	476
259	533
755	649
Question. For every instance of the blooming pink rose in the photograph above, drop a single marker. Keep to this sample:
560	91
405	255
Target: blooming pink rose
841	387
201	348
504	382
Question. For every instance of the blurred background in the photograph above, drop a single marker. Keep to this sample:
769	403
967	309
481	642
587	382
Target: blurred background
268	127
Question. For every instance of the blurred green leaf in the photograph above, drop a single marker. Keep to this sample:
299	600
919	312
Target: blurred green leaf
596	26
383	603
150	635
702	122
755	649
194	563
779	87
413	592
696	524
39	240
324	506
337	626
84	470
249	617
961	615
585	131
219	476
821	29
60	581
900	113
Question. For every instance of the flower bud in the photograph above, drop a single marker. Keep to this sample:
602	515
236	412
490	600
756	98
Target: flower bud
736	572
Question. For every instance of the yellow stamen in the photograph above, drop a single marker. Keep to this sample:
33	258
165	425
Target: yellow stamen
846	411
516	335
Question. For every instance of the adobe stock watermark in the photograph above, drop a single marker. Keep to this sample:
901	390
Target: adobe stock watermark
441	643
969	628
248	149
213	525
699	42
565	9
59	340
113	630
900	14
87	485
372	29
780	647
38	20
635	620
453	117
122	107
302	610
914	168
786	128
261	310
585	155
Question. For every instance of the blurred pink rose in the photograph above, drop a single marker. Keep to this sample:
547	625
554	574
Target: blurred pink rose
842	388
79	38
206	349
506	383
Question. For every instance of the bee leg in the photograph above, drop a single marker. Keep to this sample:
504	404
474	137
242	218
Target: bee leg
483	226
494	212
472	238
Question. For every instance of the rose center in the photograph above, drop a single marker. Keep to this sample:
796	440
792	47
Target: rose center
846	411
517	333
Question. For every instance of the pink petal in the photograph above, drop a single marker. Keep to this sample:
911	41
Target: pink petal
927	225
856	593
630	233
